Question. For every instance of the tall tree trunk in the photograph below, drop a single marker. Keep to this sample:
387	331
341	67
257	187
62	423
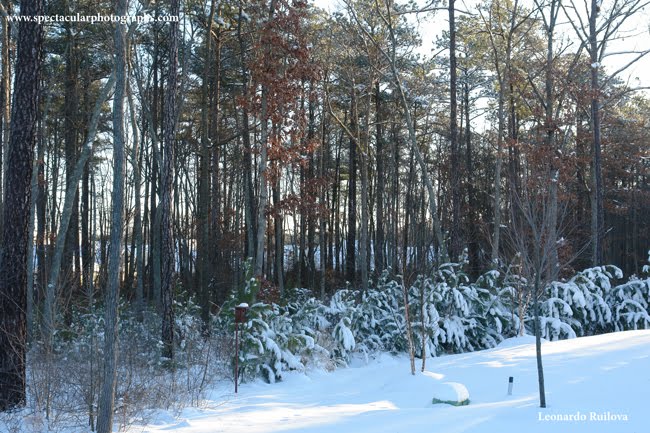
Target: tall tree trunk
5	90
154	217
279	243
249	194
31	269
263	187
336	205
350	255
550	136
380	241
538	341
86	246
408	213
363	232
496	232
472	223
409	328
203	199
109	377
29	306
597	211
136	163
217	226
456	244
167	256
323	217
394	201
71	115
503	76
363	238
15	213
302	237
41	204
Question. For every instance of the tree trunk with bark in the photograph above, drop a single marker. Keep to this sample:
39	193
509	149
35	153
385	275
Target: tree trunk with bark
71	119
15	213
597	210
167	256
380	238
138	241
204	184
456	244
351	241
5	90
106	400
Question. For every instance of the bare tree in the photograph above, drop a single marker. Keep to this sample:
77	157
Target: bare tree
531	237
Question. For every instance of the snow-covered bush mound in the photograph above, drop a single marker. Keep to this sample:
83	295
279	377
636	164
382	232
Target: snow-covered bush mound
453	393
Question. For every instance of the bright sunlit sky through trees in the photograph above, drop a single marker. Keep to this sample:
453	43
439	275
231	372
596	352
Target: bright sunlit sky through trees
633	36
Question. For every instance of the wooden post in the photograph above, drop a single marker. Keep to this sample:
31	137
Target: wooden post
236	355
240	317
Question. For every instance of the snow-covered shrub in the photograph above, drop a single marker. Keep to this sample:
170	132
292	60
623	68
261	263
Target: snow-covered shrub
456	298
493	311
629	303
342	313
344	337
380	321
553	318
308	317
580	303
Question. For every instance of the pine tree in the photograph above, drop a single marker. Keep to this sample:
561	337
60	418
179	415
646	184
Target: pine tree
15	214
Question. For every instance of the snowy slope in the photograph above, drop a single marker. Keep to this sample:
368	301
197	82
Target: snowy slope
600	377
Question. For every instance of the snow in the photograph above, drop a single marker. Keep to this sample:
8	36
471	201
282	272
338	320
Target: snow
593	384
517	341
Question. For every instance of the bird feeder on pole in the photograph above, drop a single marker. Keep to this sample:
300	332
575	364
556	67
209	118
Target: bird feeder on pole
240	317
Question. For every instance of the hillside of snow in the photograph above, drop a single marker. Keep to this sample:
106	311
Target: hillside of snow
593	384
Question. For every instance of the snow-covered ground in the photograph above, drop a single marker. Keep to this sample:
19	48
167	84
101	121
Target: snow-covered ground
593	384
